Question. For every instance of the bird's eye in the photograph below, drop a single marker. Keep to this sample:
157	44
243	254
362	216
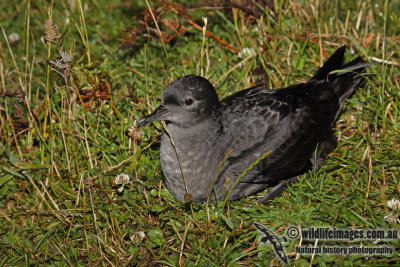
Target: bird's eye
188	102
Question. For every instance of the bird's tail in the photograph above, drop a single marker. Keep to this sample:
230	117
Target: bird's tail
347	78
343	78
334	62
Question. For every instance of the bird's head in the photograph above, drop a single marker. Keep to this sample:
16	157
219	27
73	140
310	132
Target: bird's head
185	102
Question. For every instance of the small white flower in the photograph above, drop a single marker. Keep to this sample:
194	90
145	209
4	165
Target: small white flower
376	5
247	52
394	204
392	218
13	37
205	21
122	179
138	236
134	133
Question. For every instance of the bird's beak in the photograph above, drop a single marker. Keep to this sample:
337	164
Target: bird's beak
158	114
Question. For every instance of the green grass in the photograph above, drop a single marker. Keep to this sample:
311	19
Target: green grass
63	137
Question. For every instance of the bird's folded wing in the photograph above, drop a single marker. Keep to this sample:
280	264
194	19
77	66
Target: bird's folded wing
288	123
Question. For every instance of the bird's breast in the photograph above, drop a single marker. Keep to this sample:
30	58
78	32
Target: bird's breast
191	160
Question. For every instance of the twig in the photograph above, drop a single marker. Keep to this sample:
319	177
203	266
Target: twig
183	243
389	62
62	254
194	24
155	22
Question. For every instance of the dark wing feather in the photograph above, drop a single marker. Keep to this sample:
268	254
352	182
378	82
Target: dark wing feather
289	122
334	62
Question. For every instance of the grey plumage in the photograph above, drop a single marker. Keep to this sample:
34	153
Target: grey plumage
290	123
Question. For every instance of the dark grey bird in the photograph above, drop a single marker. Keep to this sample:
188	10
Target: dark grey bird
264	137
